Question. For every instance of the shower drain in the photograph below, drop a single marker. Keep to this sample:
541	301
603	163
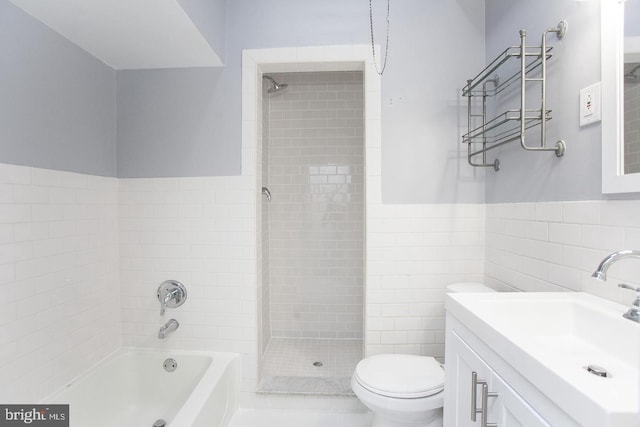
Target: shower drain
317	364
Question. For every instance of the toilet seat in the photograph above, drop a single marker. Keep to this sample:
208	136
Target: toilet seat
400	376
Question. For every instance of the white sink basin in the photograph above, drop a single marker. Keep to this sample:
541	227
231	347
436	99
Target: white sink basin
553	337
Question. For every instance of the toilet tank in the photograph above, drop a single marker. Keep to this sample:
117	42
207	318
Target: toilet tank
469	287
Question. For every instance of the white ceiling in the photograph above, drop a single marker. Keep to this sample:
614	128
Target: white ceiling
127	34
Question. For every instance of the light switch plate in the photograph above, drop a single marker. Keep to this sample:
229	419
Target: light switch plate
590	111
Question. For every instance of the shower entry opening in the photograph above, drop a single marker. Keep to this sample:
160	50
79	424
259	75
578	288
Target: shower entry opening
311	231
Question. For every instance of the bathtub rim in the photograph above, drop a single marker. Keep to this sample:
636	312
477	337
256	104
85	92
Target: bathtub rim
190	410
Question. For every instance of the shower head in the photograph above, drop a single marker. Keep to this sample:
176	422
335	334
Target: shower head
277	87
631	76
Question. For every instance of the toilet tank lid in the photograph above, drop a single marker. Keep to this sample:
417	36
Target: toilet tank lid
400	375
469	287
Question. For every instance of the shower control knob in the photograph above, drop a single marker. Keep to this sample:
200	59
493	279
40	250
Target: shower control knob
171	294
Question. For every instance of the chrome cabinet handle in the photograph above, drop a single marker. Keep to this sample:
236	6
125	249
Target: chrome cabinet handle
484	411
484	397
474	396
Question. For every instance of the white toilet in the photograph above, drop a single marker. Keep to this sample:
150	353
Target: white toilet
404	390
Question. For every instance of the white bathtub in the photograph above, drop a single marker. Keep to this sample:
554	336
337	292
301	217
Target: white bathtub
131	388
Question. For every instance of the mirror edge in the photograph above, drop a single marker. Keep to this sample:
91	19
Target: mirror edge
612	54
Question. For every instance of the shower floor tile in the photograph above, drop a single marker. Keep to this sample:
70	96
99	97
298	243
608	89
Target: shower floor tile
288	365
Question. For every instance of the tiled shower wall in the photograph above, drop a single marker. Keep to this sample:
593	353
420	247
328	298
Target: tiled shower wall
316	216
59	314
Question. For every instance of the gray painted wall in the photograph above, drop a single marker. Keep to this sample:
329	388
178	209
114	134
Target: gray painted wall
57	102
528	176
188	122
155	135
632	18
171	123
435	47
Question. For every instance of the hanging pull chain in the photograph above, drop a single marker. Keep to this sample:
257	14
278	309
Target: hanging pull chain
373	48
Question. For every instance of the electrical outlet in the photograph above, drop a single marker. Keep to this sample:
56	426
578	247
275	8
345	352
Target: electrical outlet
590	111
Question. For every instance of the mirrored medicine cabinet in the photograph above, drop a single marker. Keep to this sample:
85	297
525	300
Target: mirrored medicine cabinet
620	28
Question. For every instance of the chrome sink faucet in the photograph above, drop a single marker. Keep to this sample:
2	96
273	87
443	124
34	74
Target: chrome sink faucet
601	274
601	271
168	328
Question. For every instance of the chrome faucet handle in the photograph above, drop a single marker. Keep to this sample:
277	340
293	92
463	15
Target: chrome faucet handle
634	311
267	193
171	294
631	287
168	297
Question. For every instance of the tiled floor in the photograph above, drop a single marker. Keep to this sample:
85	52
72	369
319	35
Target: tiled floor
289	365
284	418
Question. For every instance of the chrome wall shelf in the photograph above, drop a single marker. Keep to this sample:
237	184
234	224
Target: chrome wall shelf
522	66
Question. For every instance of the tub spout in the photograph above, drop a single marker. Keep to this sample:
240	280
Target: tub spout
168	328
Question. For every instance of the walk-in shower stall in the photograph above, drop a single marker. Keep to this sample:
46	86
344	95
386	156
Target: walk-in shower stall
312	231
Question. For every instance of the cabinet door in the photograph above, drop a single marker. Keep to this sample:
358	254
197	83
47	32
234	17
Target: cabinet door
508	409
461	363
504	407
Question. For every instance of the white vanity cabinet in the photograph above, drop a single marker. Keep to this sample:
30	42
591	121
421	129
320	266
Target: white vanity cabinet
475	393
534	351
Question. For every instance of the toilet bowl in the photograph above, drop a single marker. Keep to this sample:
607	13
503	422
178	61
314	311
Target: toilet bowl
404	390
401	389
